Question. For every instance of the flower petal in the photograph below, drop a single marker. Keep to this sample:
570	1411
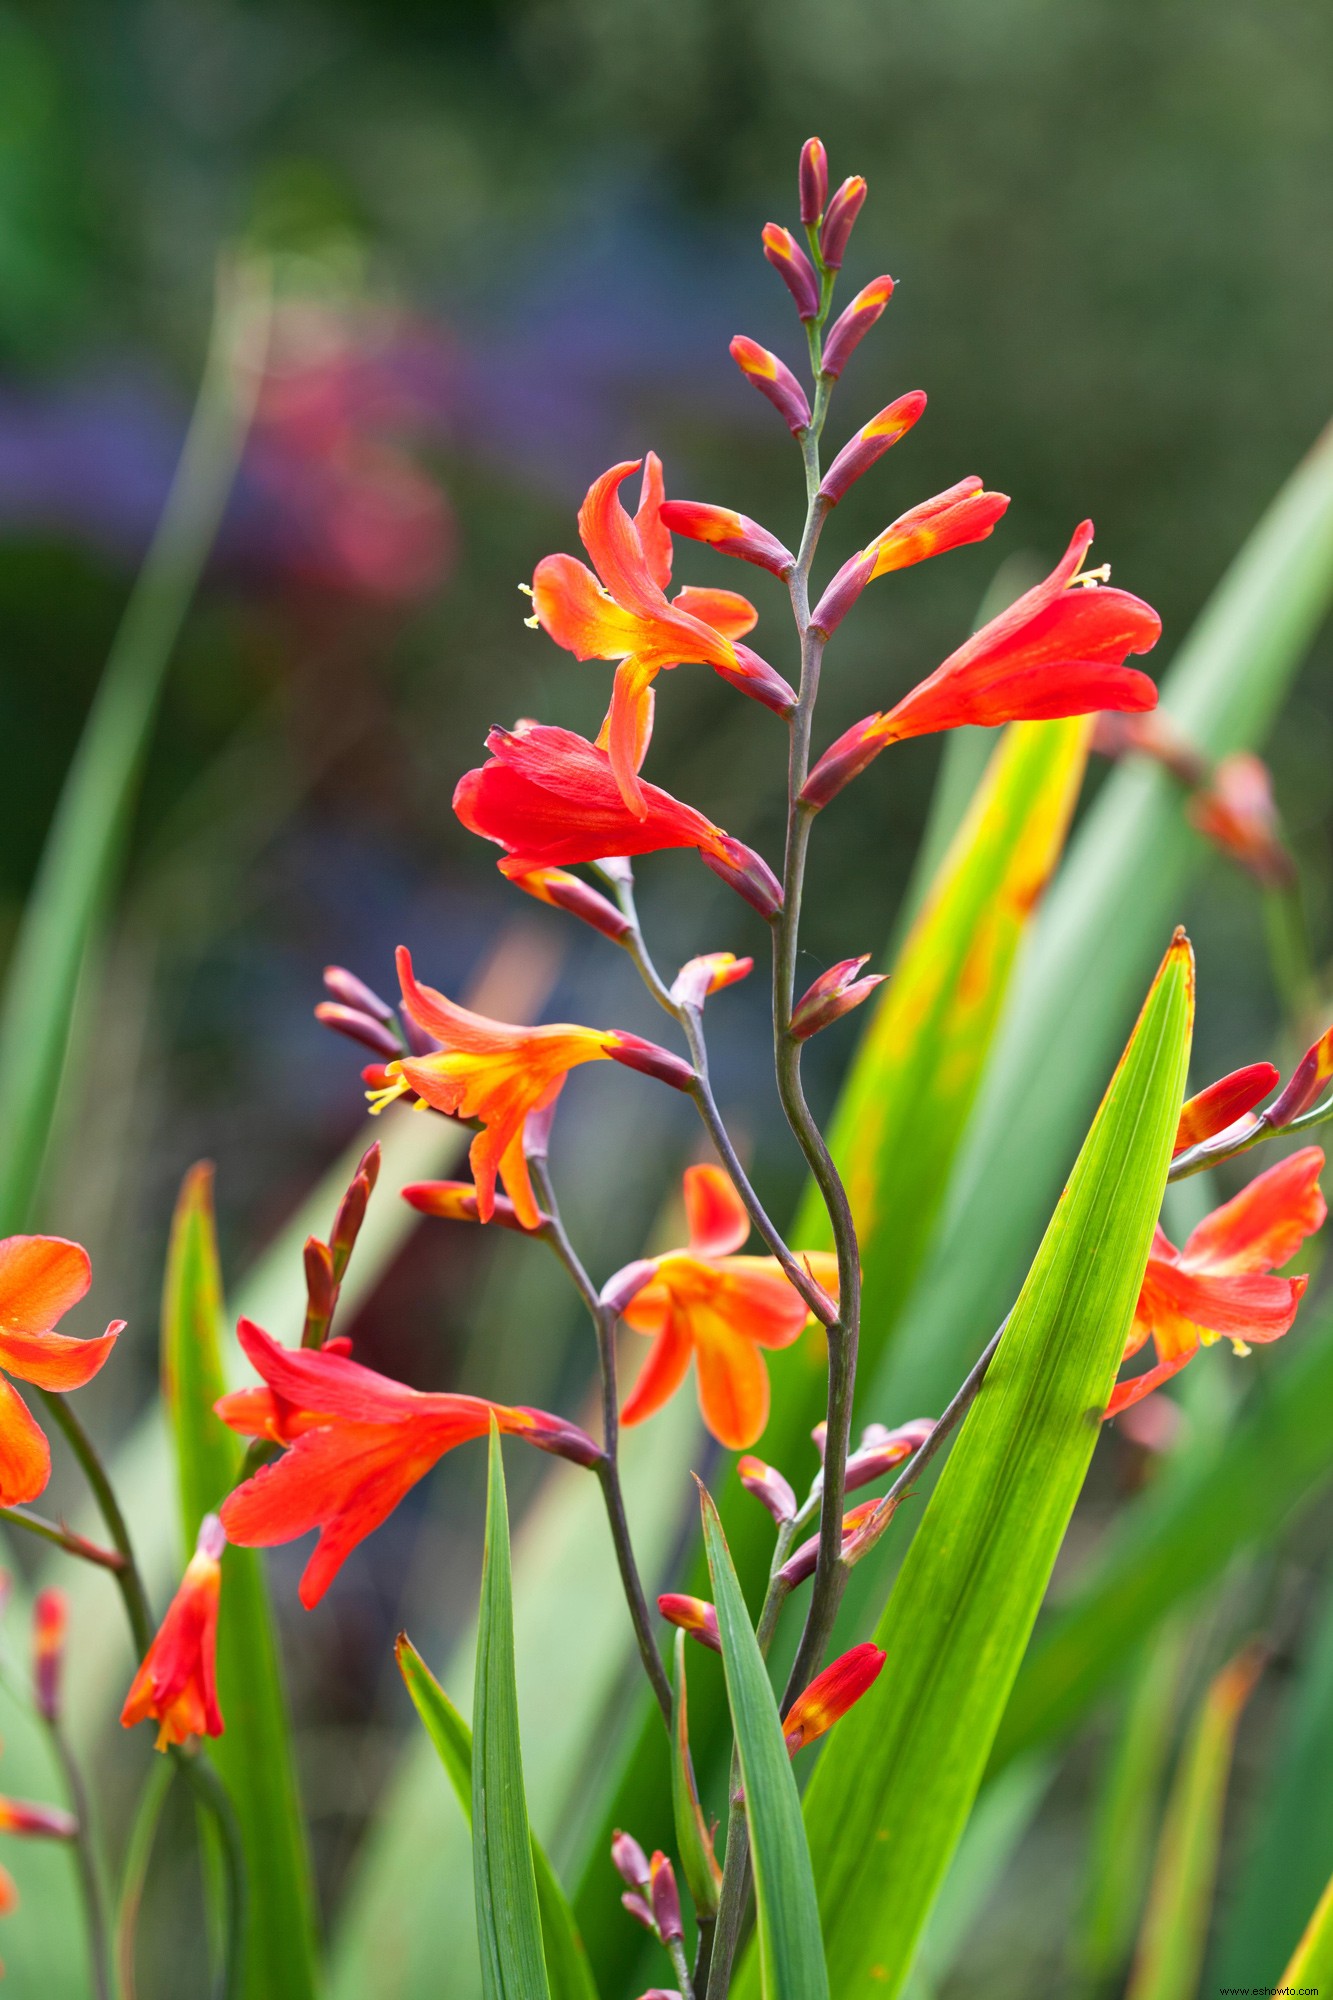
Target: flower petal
25	1455
717	1218
725	610
573	609
55	1360
41	1277
654	536
1184	1306
662	1373
628	726
1139	1386
733	1389
1266	1223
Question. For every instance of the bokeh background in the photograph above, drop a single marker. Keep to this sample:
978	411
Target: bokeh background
512	240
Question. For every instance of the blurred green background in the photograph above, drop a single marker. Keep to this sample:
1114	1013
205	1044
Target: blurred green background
512	242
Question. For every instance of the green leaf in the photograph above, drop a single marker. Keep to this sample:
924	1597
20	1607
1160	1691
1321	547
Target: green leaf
254	1754
1170	1544
84	846
791	1951
566	1960
509	1931
1310	1969
1000	1819
1127	1808
892	1793
1169	1958
693	1843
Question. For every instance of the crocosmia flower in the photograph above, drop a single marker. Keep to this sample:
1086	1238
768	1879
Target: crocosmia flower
498	1074
622	613
1236	811
830	1695
41	1277
177	1683
357	1442
1058	650
707	1304
1220	1287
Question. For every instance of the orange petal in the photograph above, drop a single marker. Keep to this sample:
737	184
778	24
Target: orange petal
25	1456
1266	1223
654	536
715	1212
612	540
756	1300
41	1277
55	1360
1143	1385
518	1184
573	609
661	1375
733	1390
627	729
1184	1305
725	610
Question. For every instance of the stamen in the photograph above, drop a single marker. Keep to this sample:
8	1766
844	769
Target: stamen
1090	578
377	1099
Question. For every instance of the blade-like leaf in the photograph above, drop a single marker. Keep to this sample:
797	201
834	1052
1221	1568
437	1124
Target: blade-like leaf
254	1753
509	1932
693	1844
1000	1819
892	1793
566	1960
1310	1969
791	1951
1175	1925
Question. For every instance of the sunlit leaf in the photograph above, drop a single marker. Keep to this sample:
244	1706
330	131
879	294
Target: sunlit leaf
1310	1969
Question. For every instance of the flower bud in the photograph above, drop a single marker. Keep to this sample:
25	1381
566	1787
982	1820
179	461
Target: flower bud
831	1694
802	1562
843	210
754	677
661	1993
640	1910
352	1210
692	1615
666	1899
844	760
732	533
617	1292
1212	1110
561	1438
630	1860
50	1621
635	1053
851	326
961	514
1154	735
456	1201
881	1449
321	1290
832	995
699	977
772	378
793	267
1236	812
812	179
1309	1080
564	891
768	1487
353	992
37	1822
359	1027
748	874
870	444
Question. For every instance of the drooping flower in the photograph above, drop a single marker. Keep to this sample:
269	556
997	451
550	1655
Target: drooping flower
1058	650
177	1681
1220	1287
551	800
721	1310
622	613
831	1694
500	1075
356	1443
41	1278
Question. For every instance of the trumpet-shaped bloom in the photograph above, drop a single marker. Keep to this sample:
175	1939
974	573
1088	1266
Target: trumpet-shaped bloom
177	1682
1220	1287
357	1442
623	613
41	1277
707	1304
1058	650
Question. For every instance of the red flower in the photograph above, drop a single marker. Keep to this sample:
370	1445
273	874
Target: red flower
830	1695
177	1683
720	1309
357	1443
1058	650
41	1277
1235	811
622	613
1219	1286
1213	1110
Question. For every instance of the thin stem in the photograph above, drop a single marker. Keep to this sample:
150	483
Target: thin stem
1211	1152
85	1859
138	1854
680	1965
126	1573
212	1794
62	1538
608	1467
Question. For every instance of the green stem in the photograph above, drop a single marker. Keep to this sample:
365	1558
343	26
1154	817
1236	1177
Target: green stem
62	1538
87	836
138	1854
85	1860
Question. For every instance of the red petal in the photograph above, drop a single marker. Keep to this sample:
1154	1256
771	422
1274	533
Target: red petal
1266	1223
1222	1103
1143	1385
572	608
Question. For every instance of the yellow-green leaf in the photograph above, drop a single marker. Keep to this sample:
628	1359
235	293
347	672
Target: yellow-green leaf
1311	1967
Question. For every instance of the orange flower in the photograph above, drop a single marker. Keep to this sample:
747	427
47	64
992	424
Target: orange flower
1219	1286
177	1682
1058	650
498	1074
622	613
721	1309
830	1695
357	1442
41	1277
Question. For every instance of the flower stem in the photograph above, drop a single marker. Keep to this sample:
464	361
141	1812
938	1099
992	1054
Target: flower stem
138	1854
62	1538
85	1859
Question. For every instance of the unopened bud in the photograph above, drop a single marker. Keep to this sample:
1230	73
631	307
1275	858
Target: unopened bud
801	1564
812	180
843	210
881	1449
768	1487
639	1909
844	760
1213	1110
793	267
732	533
773	378
835	993
50	1622
693	1615
851	327
754	677
1309	1080
653	1061
748	874
456	1201
35	1822
564	891
630	1861
353	992
561	1438
699	977
359	1027
831	1694
870	444
1236	812
666	1899
321	1290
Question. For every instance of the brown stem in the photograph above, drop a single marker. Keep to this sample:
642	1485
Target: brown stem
62	1537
